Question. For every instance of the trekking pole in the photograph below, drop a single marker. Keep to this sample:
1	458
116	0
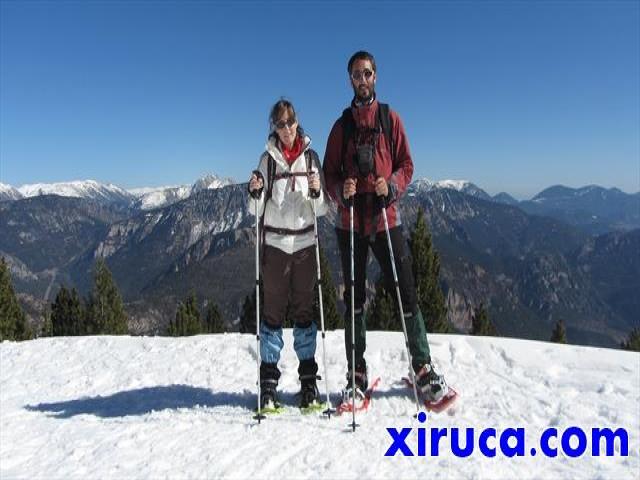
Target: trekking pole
404	326
353	322
259	416
329	410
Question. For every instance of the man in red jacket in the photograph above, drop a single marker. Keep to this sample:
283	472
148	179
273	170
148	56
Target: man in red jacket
367	159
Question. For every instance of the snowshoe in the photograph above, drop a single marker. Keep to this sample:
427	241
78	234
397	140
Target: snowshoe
361	382
363	398
436	395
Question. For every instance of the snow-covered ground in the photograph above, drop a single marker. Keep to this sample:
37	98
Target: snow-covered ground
141	407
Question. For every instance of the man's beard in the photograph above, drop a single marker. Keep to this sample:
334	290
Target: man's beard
364	97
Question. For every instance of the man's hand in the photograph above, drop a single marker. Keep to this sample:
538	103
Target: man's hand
382	189
349	189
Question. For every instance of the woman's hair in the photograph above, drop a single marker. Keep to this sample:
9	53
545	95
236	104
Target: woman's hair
281	106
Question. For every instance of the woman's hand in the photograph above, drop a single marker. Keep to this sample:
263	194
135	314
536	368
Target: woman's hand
314	182
255	183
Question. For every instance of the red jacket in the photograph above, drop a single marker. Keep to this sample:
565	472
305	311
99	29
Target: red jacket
396	170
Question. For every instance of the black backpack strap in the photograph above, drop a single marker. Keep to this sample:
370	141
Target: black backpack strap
312	158
308	160
385	122
348	129
271	175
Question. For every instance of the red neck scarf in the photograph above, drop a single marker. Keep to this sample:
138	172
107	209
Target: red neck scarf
290	155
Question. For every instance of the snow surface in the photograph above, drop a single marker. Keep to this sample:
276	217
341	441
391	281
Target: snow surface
158	407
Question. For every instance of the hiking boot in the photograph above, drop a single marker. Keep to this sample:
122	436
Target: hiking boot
309	393
362	383
431	385
269	394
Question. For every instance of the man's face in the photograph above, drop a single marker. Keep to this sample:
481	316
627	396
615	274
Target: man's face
363	80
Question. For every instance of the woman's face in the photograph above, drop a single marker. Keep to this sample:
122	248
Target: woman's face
286	128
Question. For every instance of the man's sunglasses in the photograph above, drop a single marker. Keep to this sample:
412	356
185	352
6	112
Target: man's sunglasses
281	124
358	75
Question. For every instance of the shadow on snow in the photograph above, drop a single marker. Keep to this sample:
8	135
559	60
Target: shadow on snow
145	400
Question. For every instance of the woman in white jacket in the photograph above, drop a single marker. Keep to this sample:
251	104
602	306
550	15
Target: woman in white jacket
286	181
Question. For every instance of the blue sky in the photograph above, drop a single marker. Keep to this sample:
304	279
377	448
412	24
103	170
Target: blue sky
514	96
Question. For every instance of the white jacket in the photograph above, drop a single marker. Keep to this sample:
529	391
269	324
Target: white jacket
290	206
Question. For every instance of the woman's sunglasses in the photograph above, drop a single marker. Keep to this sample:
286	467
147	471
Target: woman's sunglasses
281	123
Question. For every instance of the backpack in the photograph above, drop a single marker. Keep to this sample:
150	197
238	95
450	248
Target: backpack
383	123
310	156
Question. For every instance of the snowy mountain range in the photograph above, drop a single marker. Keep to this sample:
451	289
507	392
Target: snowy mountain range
424	185
91	189
162	407
145	198
535	267
7	192
150	198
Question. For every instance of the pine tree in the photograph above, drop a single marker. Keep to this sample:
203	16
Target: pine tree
187	321
382	313
559	334
248	313
332	319
633	341
47	325
480	323
105	310
67	316
214	322
13	322
426	272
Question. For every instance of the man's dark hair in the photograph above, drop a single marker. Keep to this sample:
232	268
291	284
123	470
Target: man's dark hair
361	55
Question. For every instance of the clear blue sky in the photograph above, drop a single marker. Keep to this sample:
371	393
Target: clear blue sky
514	96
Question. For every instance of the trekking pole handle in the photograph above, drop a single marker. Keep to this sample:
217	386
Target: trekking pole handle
255	194
313	193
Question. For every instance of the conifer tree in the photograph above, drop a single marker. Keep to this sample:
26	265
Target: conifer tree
213	321
13	322
67	316
382	313
426	272
248	314
332	319
187	321
480	323
105	310
633	341
47	326
559	334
